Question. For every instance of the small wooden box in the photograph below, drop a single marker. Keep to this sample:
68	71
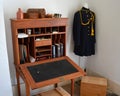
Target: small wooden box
55	92
33	15
93	86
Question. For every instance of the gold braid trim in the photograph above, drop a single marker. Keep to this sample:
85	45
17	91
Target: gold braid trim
92	29
90	20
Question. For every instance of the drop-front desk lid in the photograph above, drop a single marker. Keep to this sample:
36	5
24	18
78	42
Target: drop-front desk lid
50	71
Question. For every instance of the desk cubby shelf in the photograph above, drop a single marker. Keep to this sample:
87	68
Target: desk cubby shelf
43	34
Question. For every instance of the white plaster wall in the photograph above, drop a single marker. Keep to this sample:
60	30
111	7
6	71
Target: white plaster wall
106	62
5	81
66	7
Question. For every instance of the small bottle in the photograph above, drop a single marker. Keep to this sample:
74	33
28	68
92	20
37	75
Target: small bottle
19	14
29	31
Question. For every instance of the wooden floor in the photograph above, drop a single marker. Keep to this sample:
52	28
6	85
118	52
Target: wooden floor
77	89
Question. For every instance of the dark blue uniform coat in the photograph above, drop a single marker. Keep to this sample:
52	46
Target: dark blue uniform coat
84	38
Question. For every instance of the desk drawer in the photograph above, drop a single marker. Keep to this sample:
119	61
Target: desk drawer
43	42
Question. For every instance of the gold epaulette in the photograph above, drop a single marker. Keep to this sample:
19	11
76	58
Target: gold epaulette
90	20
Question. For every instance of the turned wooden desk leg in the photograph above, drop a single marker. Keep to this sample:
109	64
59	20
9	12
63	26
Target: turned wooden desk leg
72	87
27	89
18	83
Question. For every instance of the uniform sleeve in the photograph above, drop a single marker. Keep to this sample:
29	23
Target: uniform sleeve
76	29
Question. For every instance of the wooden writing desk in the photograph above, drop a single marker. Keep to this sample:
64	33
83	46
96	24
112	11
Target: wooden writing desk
48	72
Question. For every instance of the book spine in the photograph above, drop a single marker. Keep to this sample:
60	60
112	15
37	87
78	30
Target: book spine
61	49
53	51
57	50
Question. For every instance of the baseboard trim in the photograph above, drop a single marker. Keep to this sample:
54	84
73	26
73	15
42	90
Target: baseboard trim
112	86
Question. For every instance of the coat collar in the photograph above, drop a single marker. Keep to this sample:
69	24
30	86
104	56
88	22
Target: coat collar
85	9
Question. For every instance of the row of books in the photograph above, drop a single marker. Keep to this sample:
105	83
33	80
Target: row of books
57	50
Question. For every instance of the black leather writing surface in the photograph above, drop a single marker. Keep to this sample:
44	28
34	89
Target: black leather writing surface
51	70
